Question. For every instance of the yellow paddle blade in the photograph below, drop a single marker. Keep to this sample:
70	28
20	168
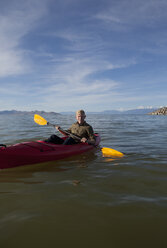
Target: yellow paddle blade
40	120
109	152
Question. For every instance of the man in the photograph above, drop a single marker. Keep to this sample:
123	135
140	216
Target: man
81	129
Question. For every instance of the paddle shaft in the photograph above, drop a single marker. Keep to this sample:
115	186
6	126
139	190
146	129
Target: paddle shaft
60	129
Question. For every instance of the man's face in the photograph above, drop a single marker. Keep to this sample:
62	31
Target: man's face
80	118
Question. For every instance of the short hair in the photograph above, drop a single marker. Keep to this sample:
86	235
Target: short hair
80	112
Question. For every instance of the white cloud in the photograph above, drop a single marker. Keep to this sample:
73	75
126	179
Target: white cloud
145	107
95	87
76	56
17	20
12	63
79	76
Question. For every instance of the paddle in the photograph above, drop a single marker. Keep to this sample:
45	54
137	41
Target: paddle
41	121
109	152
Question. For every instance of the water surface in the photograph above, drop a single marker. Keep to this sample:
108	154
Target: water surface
88	200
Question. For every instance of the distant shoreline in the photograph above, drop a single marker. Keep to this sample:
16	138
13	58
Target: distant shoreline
26	112
125	112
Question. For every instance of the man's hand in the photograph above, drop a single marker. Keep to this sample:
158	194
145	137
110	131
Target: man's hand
84	140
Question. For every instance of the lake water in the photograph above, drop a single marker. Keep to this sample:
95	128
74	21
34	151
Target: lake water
88	200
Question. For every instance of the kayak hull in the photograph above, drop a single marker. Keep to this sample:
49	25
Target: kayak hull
39	151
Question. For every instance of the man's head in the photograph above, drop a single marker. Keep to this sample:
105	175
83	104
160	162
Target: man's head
80	116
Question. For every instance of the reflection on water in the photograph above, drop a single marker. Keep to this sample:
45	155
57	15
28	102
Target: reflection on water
88	200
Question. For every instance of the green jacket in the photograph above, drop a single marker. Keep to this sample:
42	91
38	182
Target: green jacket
84	130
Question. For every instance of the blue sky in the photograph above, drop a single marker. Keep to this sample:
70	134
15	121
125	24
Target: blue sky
63	55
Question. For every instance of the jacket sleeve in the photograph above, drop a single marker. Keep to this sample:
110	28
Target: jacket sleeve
91	134
69	130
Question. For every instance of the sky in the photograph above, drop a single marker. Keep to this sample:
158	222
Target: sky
64	55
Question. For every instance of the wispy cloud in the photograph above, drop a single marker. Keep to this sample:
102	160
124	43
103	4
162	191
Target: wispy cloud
16	21
53	54
85	60
134	14
136	25
76	77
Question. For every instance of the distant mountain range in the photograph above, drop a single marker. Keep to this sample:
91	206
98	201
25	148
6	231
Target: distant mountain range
13	112
127	112
132	111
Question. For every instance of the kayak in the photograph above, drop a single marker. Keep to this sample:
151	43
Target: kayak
27	153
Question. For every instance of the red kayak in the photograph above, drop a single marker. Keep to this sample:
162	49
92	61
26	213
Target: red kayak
33	152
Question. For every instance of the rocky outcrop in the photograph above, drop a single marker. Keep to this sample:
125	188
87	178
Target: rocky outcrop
161	111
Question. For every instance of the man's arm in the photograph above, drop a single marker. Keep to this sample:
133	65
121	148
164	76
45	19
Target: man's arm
91	137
